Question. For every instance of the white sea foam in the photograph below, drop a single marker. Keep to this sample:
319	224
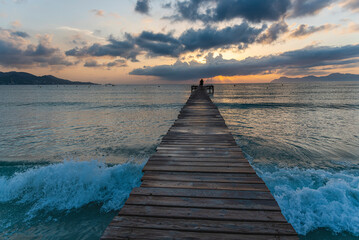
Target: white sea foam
312	199
70	185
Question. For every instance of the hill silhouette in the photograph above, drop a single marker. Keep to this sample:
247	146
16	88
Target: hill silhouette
23	78
330	78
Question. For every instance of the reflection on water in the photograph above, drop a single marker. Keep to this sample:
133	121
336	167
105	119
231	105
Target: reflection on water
302	139
51	123
304	125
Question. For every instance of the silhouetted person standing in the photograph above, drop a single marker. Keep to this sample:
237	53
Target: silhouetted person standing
201	83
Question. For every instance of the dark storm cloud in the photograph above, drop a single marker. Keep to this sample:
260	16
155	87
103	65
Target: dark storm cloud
142	6
305	30
289	61
158	44
215	10
250	10
189	10
202	39
115	48
210	37
20	34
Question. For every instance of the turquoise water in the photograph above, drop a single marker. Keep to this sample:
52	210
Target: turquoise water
69	156
303	140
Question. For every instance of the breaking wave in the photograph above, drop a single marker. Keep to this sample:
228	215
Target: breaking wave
312	199
70	185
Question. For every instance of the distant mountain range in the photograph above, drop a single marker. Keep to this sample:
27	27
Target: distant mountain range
330	78
23	78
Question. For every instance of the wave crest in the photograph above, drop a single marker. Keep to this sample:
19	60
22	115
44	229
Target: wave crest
312	199
70	185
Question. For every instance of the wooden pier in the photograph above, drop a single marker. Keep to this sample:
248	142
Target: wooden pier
208	88
198	185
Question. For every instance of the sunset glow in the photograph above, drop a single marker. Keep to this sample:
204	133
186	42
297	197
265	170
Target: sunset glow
129	42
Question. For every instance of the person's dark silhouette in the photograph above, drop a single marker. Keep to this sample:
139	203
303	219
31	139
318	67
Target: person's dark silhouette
201	82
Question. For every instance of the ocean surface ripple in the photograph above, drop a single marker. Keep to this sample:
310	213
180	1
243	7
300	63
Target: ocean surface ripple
302	139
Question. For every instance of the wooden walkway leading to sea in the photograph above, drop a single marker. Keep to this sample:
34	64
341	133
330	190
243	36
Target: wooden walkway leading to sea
198	185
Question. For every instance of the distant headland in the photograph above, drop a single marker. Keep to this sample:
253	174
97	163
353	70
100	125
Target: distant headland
330	78
23	78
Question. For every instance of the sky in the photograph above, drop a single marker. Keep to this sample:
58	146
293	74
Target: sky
168	41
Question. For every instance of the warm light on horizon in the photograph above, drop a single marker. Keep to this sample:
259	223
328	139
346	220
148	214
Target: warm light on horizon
112	42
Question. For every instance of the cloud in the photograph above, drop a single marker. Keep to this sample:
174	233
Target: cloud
211	37
251	10
255	11
117	63
306	59
20	34
94	64
91	63
86	32
167	5
142	6
352	5
16	51
216	10
98	12
159	44
115	48
351	28
78	39
273	32
308	7
203	39
305	30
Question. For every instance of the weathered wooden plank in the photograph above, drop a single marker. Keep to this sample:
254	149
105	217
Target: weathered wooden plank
194	202
198	159
198	185
198	169
194	147
218	135
198	141
200	148
189	143
210	139
198	154
205	185
211	153
184	177
202	157
269	228
202	193
142	233
198	163
203	213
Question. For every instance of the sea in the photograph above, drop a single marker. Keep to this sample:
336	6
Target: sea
70	155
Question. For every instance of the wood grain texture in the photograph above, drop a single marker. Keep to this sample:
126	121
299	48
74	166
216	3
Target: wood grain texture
198	185
205	225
